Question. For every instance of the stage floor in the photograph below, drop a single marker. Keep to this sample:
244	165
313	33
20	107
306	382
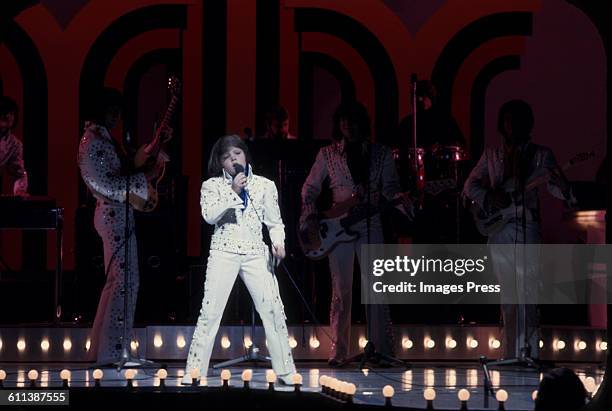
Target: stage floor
446	378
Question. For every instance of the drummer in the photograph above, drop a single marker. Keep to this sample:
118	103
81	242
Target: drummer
438	136
435	126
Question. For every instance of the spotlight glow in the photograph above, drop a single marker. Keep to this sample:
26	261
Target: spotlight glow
247	375
158	341
407	343
429	394
65	375
226	375
362	342
429	343
501	396
450	343
225	342
314	342
180	341
292	342
32	375
388	391
67	344
270	376
44	345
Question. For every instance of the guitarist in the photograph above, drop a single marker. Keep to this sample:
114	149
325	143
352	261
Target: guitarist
352	165
105	168
519	160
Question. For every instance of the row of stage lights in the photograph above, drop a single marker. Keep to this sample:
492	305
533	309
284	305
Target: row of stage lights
341	390
314	343
162	374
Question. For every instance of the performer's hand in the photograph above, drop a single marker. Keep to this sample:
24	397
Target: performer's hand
309	233
406	207
278	251
497	199
558	178
166	132
239	182
141	157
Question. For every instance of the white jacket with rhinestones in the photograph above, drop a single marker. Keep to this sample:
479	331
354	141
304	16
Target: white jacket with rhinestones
331	163
100	167
238	229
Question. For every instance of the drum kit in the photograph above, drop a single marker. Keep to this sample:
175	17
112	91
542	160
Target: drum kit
436	176
436	163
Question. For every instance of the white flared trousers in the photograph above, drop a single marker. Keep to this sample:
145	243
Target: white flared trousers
223	267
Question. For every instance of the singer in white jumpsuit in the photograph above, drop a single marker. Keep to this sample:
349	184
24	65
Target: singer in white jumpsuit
237	248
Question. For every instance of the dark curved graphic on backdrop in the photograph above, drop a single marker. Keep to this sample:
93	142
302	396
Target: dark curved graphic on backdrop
469	39
310	61
372	52
478	97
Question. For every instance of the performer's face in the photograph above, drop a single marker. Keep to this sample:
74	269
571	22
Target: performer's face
113	115
7	120
349	129
425	102
233	156
279	129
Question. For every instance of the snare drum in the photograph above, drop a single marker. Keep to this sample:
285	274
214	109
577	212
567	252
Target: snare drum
419	163
449	154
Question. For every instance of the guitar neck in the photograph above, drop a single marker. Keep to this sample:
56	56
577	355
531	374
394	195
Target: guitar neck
544	178
165	120
169	110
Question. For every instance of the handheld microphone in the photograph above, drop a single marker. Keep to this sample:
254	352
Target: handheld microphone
238	168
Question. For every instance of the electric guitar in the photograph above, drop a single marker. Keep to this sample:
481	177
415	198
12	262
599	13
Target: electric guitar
491	222
155	150
318	240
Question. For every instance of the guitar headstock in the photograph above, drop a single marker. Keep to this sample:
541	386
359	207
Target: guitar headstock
580	157
174	85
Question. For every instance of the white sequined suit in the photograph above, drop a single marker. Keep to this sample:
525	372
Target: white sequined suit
489	173
237	248
100	165
331	162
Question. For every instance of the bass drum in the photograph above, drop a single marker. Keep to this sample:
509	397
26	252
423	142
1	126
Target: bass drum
410	163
